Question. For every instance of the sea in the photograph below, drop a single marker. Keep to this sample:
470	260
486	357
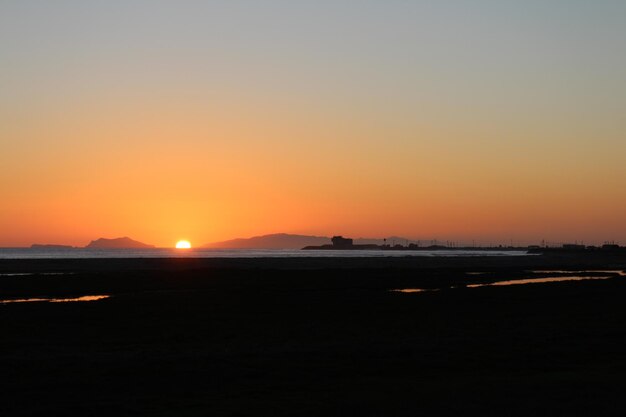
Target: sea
84	253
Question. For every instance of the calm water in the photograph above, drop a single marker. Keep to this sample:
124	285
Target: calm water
538	280
26	253
84	298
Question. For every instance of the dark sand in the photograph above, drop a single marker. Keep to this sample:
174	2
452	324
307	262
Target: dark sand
312	337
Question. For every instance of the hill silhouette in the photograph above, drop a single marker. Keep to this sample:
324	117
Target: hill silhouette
289	241
376	241
272	241
49	246
118	243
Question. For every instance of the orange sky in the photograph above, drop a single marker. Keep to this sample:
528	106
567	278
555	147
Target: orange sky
281	127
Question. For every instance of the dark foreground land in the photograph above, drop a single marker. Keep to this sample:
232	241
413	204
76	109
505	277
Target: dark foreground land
312	337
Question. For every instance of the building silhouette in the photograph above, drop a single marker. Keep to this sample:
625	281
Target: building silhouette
341	242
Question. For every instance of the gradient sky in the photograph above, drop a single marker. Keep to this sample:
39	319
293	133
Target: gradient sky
488	119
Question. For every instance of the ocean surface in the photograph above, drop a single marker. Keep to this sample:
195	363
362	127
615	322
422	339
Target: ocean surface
82	253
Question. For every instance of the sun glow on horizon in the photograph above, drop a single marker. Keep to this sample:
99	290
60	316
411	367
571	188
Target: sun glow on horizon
183	244
217	121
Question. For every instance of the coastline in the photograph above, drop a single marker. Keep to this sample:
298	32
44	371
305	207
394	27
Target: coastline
312	336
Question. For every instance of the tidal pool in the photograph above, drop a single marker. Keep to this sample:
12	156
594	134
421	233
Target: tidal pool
538	280
83	298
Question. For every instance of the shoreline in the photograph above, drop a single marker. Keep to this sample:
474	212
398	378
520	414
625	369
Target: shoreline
558	260
310	337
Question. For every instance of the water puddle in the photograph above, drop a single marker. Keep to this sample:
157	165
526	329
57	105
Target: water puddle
537	281
22	274
599	271
56	300
540	280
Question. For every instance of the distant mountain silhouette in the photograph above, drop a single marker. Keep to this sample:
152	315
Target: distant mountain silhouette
288	241
273	241
48	246
391	240
119	243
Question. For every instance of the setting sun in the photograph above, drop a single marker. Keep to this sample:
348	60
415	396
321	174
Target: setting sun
183	244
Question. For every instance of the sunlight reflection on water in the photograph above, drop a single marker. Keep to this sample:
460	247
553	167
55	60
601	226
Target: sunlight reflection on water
56	300
84	253
600	271
21	274
537	281
540	280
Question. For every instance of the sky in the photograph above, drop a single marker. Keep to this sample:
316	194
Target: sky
207	120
